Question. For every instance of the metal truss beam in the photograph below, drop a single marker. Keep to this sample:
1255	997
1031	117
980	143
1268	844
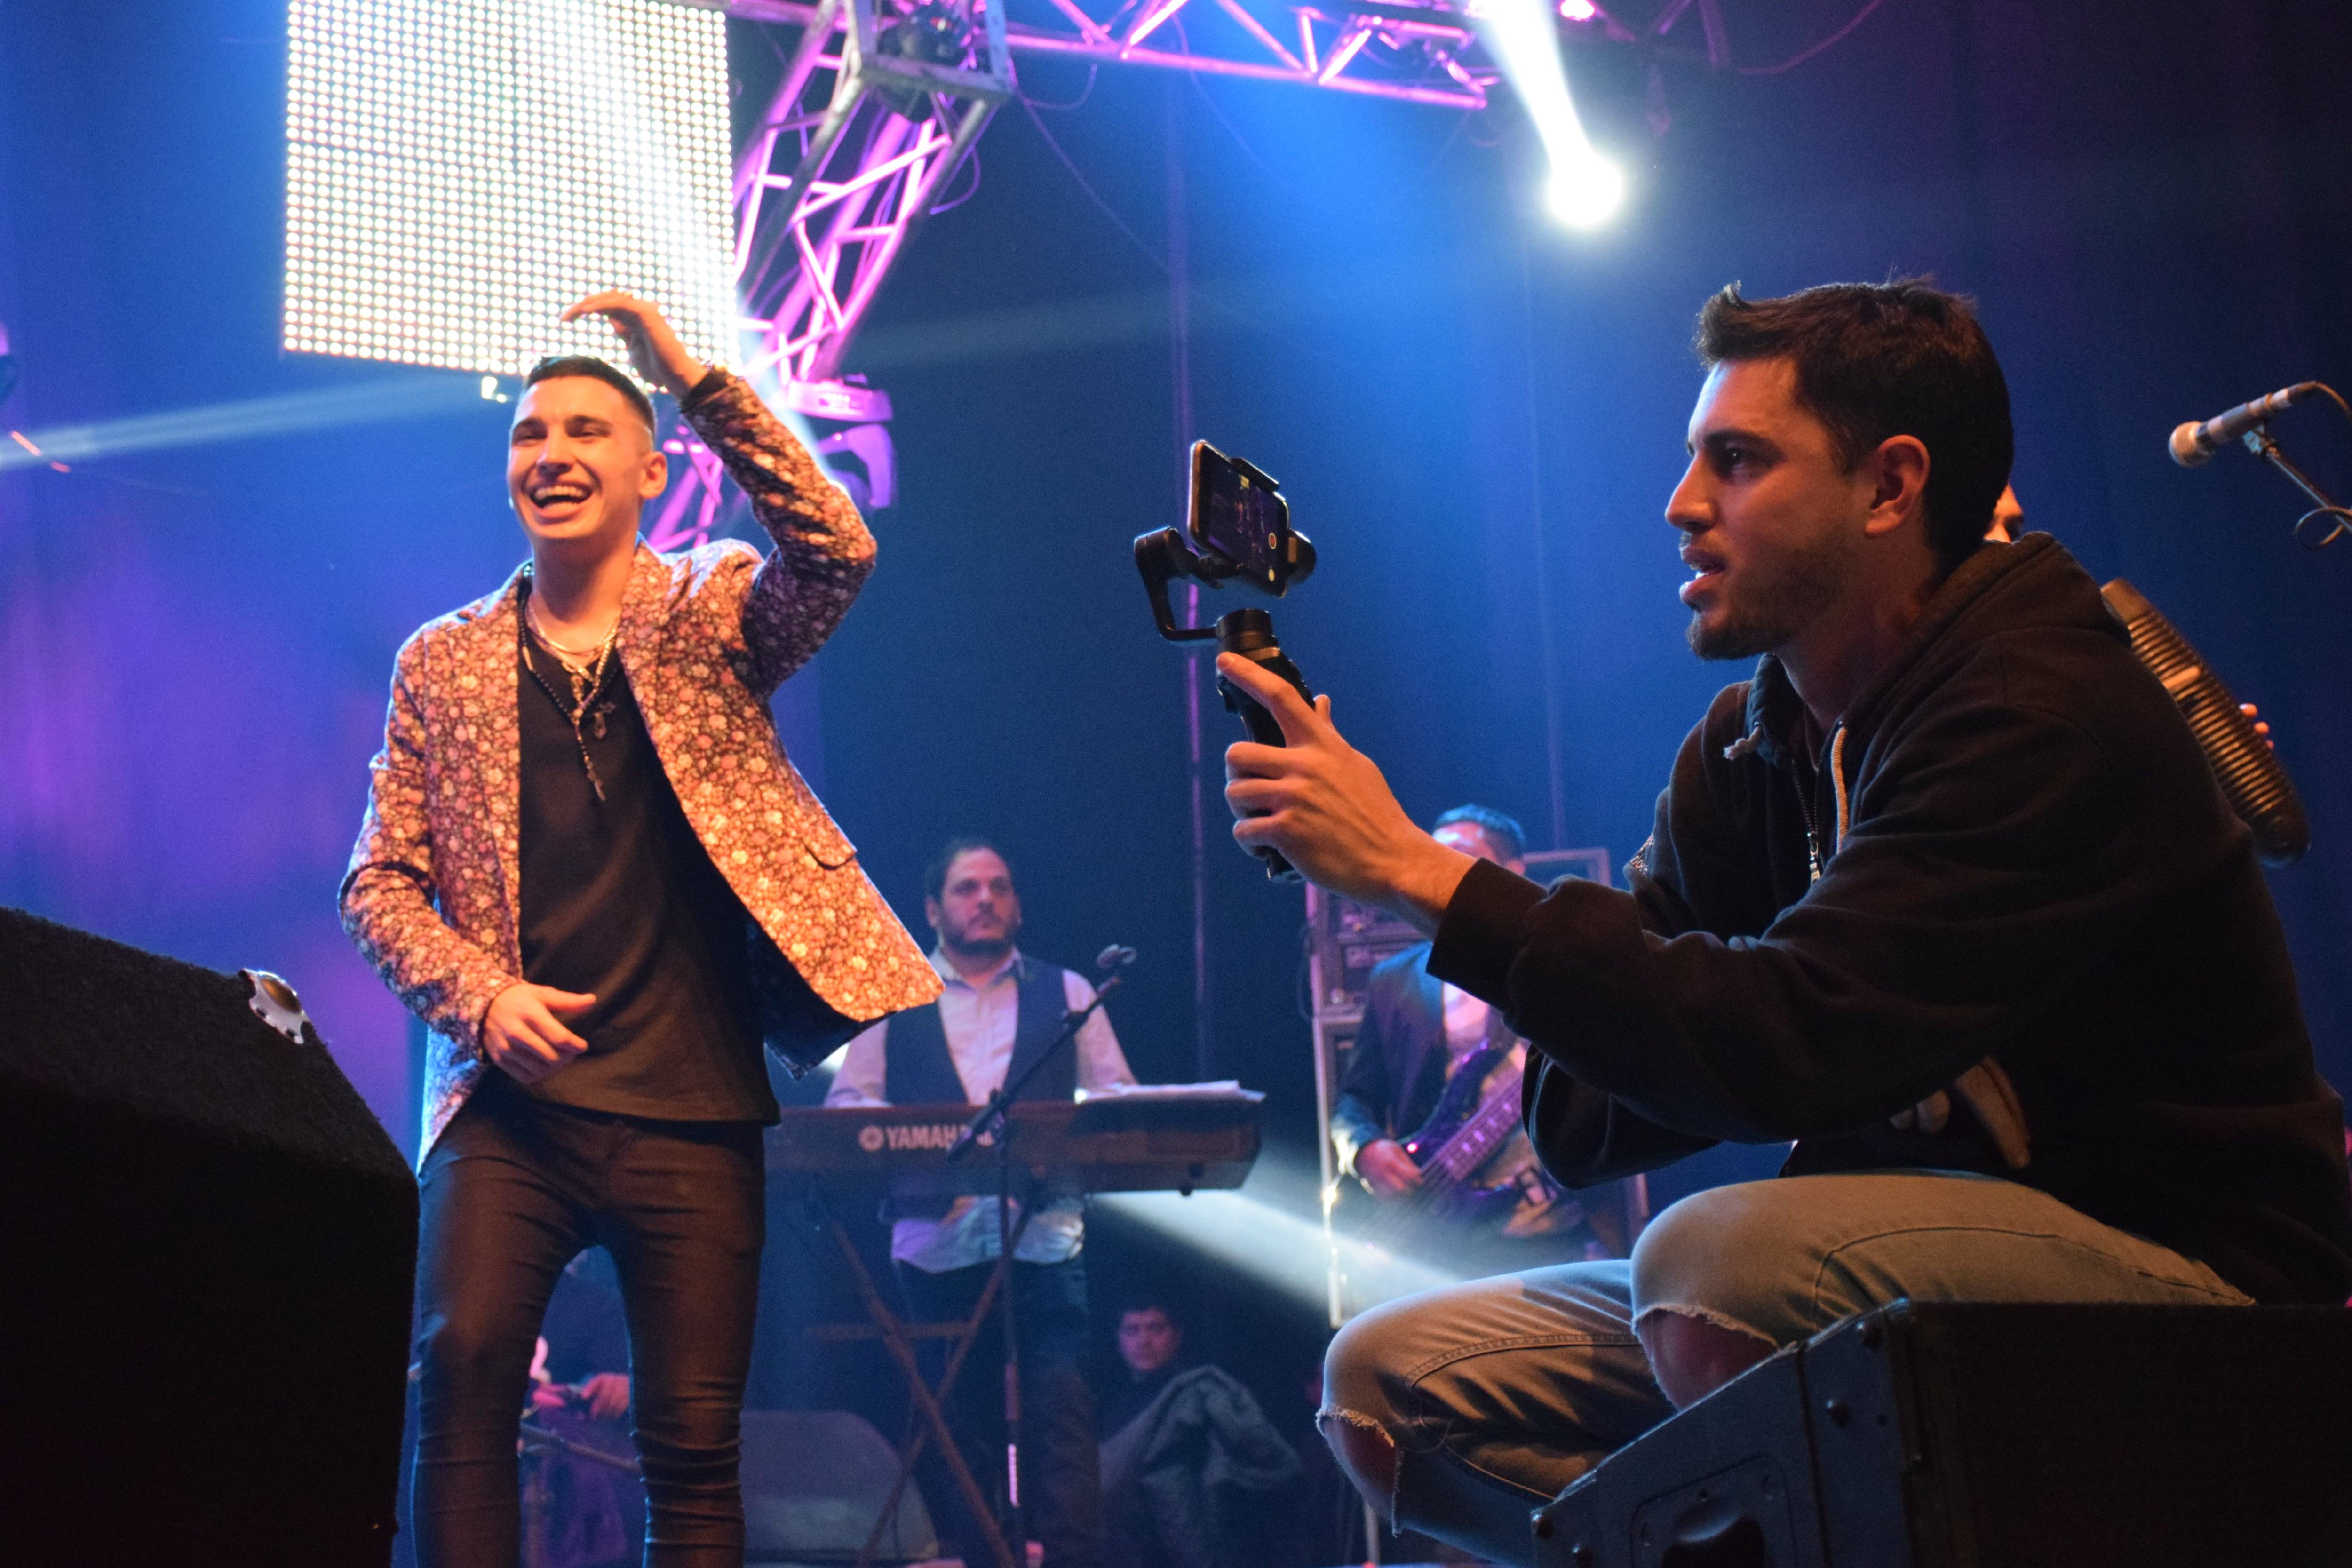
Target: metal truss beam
1413	53
882	100
880	103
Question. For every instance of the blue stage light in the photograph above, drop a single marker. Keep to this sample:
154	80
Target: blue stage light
1584	188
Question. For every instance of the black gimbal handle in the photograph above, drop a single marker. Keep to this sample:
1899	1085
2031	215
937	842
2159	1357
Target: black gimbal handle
1165	555
1250	634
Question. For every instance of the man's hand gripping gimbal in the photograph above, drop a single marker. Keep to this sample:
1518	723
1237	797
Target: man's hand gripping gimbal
1240	532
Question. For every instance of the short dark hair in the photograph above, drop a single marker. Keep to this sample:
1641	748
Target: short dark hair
1875	360
555	365
1503	832
935	875
1153	1299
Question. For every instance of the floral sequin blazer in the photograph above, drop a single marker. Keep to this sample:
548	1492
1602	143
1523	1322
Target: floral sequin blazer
433	895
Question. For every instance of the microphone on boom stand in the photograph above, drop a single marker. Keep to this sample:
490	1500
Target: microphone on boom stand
989	1124
2195	442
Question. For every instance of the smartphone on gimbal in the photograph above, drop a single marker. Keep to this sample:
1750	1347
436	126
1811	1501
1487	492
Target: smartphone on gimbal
1236	530
1238	513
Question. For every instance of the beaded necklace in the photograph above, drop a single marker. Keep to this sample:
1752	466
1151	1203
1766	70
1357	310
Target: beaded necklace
586	679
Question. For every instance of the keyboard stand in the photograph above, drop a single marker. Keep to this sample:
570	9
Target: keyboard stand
929	1420
1109	1144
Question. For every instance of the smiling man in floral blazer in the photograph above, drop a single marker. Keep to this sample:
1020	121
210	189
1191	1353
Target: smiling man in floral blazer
589	867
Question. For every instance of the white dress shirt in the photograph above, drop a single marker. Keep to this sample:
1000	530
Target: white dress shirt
980	1018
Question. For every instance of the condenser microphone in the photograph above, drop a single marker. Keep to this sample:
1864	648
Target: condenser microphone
2248	771
2194	443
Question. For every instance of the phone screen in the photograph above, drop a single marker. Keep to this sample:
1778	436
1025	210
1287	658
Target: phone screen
1237	513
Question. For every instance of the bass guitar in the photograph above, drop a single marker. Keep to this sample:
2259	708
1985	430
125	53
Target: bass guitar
1461	1136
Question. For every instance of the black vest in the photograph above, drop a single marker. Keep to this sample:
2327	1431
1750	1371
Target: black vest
919	1072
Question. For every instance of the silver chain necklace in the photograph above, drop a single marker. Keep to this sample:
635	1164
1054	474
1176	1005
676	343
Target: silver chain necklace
586	679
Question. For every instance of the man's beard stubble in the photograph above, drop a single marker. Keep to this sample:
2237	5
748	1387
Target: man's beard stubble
1777	599
987	947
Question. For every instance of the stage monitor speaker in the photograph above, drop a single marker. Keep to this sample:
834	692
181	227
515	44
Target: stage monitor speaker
813	1483
206	1250
1997	1436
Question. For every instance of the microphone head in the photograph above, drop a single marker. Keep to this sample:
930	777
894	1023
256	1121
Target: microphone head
2188	449
1114	957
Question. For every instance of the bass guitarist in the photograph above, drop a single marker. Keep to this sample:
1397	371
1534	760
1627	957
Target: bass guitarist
1428	1113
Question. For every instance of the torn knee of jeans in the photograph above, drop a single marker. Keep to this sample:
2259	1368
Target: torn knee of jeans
1366	1452
1693	1351
1707	1315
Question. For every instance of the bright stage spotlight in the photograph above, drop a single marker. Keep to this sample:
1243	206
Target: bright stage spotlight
1586	192
1271	1231
1585	188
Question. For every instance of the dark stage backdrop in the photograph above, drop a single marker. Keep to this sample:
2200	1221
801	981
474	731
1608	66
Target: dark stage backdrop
1469	409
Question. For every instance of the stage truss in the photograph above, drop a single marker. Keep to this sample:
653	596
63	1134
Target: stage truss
882	100
879	104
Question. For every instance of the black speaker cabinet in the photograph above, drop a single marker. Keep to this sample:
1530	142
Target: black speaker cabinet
1997	1436
206	1249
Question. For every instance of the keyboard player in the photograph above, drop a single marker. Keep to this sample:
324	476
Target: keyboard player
998	1006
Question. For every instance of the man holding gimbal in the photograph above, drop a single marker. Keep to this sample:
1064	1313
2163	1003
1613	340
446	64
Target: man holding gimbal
1946	893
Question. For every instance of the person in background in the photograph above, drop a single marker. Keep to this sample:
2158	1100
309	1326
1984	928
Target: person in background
1188	1460
2009	527
579	1512
1151	1348
1418	1040
999	1009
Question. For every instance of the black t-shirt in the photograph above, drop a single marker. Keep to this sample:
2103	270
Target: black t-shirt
620	898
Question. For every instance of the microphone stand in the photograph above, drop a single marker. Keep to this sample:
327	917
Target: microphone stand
991	1124
2259	442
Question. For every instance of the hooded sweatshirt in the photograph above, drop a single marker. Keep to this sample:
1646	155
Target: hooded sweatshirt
2011	849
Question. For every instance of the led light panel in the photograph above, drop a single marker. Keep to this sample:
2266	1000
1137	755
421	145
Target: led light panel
457	172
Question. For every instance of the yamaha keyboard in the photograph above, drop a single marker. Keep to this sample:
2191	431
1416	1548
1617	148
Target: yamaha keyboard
1110	1144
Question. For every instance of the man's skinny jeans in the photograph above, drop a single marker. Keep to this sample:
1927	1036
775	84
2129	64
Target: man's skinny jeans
1498	1393
512	1191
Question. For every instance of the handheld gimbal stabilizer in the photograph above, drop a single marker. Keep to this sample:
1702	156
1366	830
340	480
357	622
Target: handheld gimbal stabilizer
1241	532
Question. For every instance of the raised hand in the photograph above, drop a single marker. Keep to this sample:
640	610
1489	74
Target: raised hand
523	1033
654	347
1328	809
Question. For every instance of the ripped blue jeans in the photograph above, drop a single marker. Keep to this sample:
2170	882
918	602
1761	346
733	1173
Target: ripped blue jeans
1498	1393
